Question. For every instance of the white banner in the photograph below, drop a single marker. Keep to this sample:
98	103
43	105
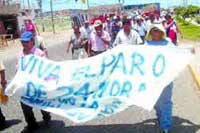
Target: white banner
100	86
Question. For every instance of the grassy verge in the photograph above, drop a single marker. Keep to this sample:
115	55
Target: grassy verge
189	31
61	23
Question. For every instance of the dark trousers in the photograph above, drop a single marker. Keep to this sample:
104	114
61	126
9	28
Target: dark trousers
143	39
29	116
2	117
94	53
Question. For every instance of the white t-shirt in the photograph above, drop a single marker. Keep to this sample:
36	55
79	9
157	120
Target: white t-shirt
158	20
132	39
97	44
86	31
76	41
39	42
141	29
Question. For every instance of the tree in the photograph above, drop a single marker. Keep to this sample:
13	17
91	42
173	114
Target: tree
192	10
182	12
186	12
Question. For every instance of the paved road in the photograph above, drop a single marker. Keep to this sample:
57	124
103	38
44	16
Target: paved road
134	120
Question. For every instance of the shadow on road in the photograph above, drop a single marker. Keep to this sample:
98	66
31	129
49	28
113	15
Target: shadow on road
147	126
10	123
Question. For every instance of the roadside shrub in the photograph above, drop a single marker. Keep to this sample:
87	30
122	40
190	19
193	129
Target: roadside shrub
197	19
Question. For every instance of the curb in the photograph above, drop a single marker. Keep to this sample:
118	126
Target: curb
195	75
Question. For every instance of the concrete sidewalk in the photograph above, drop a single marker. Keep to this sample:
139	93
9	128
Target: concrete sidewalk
195	66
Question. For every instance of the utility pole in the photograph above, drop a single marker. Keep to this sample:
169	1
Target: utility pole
24	4
29	7
123	1
88	5
52	17
28	4
41	14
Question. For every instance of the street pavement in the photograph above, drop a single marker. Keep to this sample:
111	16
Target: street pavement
186	99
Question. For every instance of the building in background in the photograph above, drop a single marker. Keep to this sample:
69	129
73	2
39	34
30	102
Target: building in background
8	17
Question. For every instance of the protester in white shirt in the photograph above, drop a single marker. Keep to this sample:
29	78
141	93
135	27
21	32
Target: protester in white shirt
86	30
127	35
141	29
39	42
108	25
157	19
77	44
99	40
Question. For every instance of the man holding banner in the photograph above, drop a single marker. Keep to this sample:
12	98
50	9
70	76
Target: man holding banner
27	40
86	31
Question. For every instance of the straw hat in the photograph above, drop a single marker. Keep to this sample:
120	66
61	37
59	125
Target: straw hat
159	27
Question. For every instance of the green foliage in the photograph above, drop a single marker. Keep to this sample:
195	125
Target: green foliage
186	12
61	23
197	19
189	31
193	9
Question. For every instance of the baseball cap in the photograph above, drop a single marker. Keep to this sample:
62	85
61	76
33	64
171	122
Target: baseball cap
26	36
97	23
126	20
139	17
86	22
115	17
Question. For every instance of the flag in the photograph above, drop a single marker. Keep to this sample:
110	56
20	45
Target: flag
83	1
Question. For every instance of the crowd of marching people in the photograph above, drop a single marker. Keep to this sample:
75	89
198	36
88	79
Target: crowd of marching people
106	32
96	37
